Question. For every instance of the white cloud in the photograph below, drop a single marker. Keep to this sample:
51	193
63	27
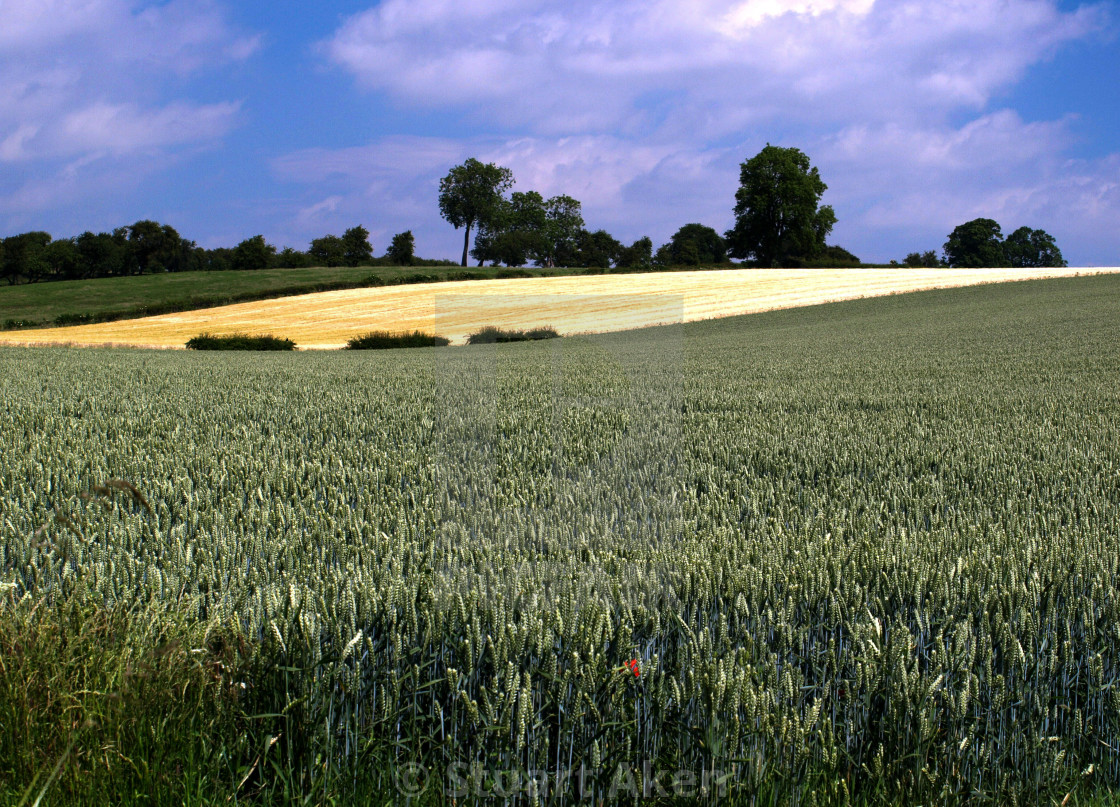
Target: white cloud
998	144
183	36
314	215
581	66
47	189
392	185
743	16
593	169
1078	202
895	182
386	161
28	26
643	109
85	109
896	188
13	147
180	35
388	187
126	128
84	76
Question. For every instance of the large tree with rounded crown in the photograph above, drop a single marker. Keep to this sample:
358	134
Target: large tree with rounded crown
777	217
472	194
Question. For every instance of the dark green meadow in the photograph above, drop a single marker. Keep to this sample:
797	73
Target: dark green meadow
858	553
71	302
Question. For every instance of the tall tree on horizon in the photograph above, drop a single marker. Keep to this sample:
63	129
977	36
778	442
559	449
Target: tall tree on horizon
471	194
696	244
976	244
1032	248
563	224
356	248
776	209
402	249
515	232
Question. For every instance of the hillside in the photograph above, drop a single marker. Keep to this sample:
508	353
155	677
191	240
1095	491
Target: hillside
571	304
106	299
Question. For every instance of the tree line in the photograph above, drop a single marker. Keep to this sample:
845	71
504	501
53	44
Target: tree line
980	243
148	247
778	222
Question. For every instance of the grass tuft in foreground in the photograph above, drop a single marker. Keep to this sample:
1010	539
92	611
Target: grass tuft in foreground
101	702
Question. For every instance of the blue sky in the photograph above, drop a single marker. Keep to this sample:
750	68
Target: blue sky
293	120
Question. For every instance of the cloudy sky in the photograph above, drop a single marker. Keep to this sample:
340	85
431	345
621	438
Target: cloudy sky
227	119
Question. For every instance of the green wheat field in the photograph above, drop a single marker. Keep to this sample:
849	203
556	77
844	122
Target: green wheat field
859	553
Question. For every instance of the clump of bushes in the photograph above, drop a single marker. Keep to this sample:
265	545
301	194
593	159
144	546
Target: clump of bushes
490	334
384	340
411	278
239	341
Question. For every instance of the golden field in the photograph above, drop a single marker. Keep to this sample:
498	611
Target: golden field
577	304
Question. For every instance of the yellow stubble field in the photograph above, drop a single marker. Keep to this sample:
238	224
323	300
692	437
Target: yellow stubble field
577	304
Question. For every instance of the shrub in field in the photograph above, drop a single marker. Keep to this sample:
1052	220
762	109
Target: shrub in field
239	341
412	278
491	334
385	340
